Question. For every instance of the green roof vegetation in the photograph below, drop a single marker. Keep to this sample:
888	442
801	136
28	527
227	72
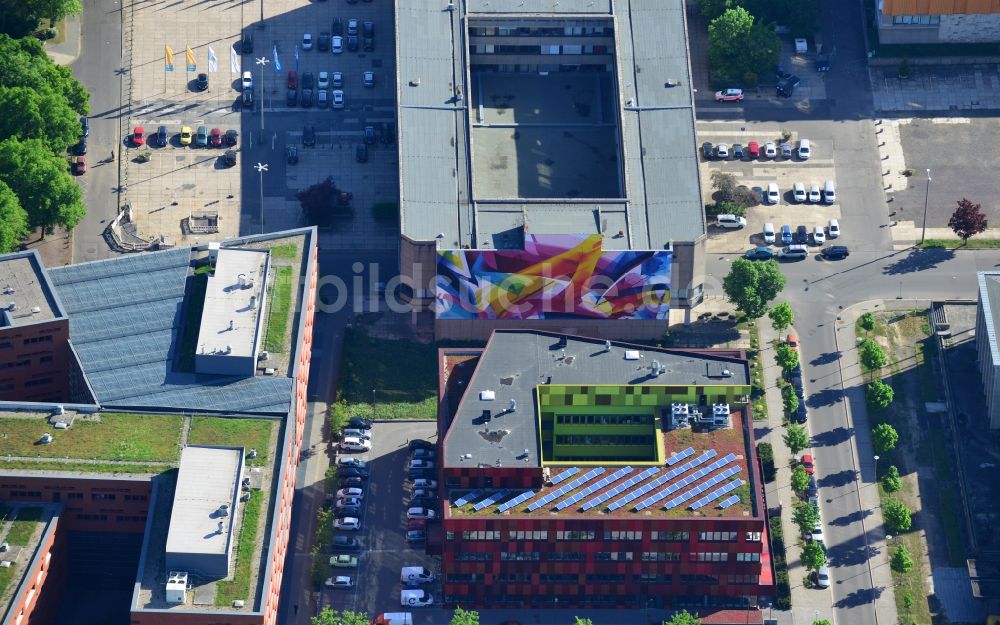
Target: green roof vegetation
248	433
7	464
400	392
287	251
23	527
115	436
6	576
228	591
277	318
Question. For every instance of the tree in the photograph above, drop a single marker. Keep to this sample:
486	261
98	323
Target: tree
822	622
900	561
22	17
813	556
891	481
740	49
967	220
330	616
725	207
42	184
465	617
800	479
13	220
751	285
805	516
25	63
320	202
781	316
46	115
879	394
796	438
867	321
579	620
786	357
884	438
683	618
872	356
897	517
712	9
789	400
728	191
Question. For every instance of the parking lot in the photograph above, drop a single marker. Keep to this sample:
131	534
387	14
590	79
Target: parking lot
384	549
757	174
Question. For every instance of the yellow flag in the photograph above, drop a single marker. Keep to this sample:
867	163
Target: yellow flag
168	54
191	65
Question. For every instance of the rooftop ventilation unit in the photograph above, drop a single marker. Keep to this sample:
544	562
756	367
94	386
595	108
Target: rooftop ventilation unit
654	369
513	406
726	373
487	395
679	415
177	582
223	510
631	354
229	349
243	280
253	302
35	310
607	346
720	415
7	290
12	306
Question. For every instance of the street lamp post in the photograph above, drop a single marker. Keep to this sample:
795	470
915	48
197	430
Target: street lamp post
927	192
261	62
261	24
261	168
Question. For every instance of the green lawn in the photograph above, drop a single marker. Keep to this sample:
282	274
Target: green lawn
249	433
6	576
24	526
129	438
285	250
281	302
7	464
239	586
971	244
402	374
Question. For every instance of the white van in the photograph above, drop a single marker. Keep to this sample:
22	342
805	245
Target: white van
416	575
772	195
415	598
768	233
730	222
829	193
833	229
351	443
804	149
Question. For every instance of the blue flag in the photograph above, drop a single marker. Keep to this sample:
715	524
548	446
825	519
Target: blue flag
277	63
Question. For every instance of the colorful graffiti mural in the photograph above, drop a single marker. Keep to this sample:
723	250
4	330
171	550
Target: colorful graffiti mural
553	277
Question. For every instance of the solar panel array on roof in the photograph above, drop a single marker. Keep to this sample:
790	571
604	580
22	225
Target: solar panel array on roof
525	496
467	498
663	479
728	501
621	488
593	488
589	475
700	488
489	501
681	455
715	494
687	481
568	473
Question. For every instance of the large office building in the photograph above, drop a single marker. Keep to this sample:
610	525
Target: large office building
987	344
548	168
589	473
155	487
938	21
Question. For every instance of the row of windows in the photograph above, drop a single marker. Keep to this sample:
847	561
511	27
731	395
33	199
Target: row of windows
38	339
529	31
534	50
744	579
670	536
520	556
458	578
615	556
726	537
573	578
513	578
603	439
581	534
747	557
25	493
612	578
38	382
661	556
622	535
605	419
16	363
709	556
604	556
916	20
473	556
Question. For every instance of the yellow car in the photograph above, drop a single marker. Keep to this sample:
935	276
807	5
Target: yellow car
186	135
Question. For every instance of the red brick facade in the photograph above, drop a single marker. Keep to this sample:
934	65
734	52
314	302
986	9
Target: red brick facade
34	362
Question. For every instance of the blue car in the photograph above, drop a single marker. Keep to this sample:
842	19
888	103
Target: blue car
786	234
759	253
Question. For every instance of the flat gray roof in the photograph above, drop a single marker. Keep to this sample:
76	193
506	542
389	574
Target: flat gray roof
207	479
24	283
659	153
228	320
515	362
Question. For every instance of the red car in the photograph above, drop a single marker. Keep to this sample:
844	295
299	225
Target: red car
215	138
753	149
138	135
78	164
729	95
792	340
416	524
293	79
807	464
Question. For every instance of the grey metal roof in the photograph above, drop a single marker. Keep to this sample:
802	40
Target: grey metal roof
515	362
989	299
125	316
657	125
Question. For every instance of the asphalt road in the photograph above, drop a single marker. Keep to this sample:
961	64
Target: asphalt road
98	68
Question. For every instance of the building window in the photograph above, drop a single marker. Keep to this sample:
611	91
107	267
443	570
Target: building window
606	578
614	556
661	556
573	535
520	556
449	535
916	20
38	339
102	496
558	578
699	579
92	517
462	577
38	382
472	556
709	556
135	498
725	537
481	535
525	535
753	537
622	535
748	557
744	579
131	518
566	556
673	537
74	495
25	493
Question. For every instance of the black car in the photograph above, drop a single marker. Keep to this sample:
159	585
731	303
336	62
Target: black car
368	29
161	136
307	98
81	147
359	424
361	153
309	136
416	536
346	542
352	43
786	86
85	124
800	414
348	511
423	502
323	43
737	152
812	490
202	82
420	474
292	98
247	45
229	158
370	135
338	27
388	133
352	472
231	137
835	252
801	235
292	154
308	80
419	443
248	98
356	482
707	151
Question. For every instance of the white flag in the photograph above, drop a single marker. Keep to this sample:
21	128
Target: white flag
213	61
234	61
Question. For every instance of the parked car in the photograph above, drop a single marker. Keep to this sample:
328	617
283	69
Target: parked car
829	193
822	65
418	443
352	462
161	136
307	41
323	82
707	151
819	235
812	489
786	86
817	534
293	79
370	135
814	195
786	150
799	192
351	492
248	99
425	483
340	582
356	433
807	463
802	235
793	252
346	542
322	98
760	252
833	229
361	153
360	424
835	252
352	43
78	165
822	577
416	536
309	140
348	524
420	493
770	150
246	46
753	149
352	27
353	503
201	139
355	444
323	43
215	138
338	27
420	463
292	154
247	82
416	524
768	233
337	80
772	195
337	43
805	149
738	153
352	481
338	99
420	513
786	234
427	454
722	151
729	95
424	502
416	474
344	561
291	97
368	78
185	135
84	126
353	472
138	135
730	222
792	340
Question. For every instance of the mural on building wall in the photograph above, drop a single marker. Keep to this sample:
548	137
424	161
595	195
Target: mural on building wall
553	277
